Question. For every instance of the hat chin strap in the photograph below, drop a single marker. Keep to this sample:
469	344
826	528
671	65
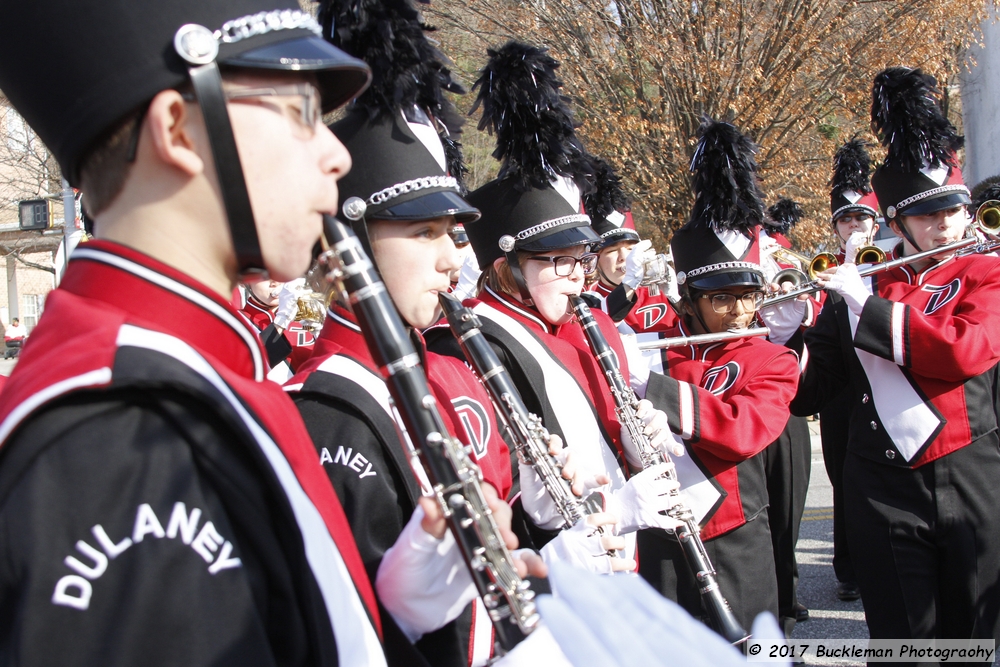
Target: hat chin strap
515	271
207	82
906	233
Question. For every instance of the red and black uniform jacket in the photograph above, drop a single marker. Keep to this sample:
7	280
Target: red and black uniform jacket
921	361
644	313
345	404
294	347
160	502
728	402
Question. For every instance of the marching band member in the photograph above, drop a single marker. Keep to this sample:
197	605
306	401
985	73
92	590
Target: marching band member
409	234
160	499
918	347
726	401
271	307
853	209
621	261
532	245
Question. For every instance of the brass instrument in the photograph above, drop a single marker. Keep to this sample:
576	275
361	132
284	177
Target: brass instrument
311	311
988	216
722	337
966	246
656	271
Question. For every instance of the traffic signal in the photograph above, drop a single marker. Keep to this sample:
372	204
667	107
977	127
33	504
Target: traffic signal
36	214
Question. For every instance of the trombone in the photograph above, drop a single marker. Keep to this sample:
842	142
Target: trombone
962	245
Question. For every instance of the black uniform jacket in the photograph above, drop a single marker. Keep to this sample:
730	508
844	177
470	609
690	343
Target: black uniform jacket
159	501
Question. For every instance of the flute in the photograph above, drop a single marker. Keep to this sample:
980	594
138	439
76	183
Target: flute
700	339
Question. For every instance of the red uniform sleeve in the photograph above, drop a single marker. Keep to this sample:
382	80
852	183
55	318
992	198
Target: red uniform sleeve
951	344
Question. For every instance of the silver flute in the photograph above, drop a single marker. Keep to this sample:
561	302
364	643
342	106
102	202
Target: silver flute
701	339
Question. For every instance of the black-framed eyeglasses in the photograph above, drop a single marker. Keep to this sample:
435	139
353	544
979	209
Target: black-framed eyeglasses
309	107
566	264
724	303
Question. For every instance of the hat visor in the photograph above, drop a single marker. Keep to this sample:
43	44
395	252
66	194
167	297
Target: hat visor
725	279
429	206
340	77
935	204
851	210
626	235
562	237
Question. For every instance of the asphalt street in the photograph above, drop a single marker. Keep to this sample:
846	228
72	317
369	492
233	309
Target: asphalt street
829	618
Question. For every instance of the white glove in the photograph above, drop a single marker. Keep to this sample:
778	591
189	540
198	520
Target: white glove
635	263
783	319
288	302
579	546
423	581
669	287
468	278
638	365
540	648
638	504
645	628
855	242
535	499
849	285
657	430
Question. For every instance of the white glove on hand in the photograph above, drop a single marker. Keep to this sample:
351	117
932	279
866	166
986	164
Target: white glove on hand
783	319
635	263
638	504
468	278
849	285
855	242
422	581
535	499
581	547
288	302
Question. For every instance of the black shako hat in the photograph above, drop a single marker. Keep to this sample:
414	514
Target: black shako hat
97	63
401	131
534	204
609	207
399	170
919	175
718	247
850	187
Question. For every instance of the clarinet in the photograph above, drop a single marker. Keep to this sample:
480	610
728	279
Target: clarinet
454	476
720	614
530	436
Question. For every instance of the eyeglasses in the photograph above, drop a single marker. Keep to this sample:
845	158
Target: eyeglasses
309	107
724	303
566	264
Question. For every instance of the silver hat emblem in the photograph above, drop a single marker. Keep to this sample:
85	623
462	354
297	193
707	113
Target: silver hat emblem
890	212
354	208
506	243
681	277
196	44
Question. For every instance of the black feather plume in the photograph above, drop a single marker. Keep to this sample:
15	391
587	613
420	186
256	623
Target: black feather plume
407	68
782	216
725	179
608	195
532	120
908	121
852	167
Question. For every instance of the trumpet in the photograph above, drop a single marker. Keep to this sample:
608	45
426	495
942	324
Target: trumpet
988	216
699	339
656	271
966	246
311	311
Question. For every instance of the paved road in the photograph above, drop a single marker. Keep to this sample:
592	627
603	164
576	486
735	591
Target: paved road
7	365
829	618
